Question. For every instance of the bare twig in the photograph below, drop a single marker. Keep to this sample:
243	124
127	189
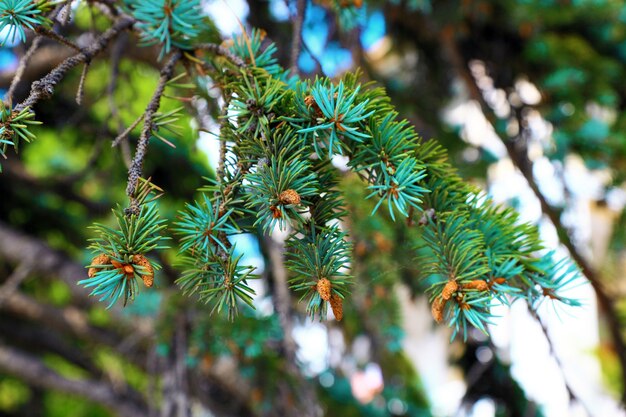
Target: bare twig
40	339
15	247
80	92
19	72
18	173
570	392
222	161
73	321
116	55
315	59
136	167
44	87
126	131
220	50
56	37
65	12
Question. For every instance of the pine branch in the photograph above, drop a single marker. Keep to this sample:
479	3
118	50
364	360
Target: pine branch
519	156
221	51
44	88
43	31
136	167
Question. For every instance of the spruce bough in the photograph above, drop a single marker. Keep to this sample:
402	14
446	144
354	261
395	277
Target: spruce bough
279	135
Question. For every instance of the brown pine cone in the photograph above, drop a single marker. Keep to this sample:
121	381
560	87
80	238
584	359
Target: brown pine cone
310	102
477	284
148	278
437	309
102	259
324	288
449	289
289	197
336	303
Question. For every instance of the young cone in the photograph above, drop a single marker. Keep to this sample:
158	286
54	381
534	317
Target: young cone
289	197
101	259
449	289
477	284
148	278
437	309
336	303
324	288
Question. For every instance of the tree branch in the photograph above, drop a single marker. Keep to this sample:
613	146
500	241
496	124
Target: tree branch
44	87
296	40
282	304
136	167
17	247
175	385
40	30
34	372
570	392
518	154
19	72
14	280
61	186
220	50
72	321
38	339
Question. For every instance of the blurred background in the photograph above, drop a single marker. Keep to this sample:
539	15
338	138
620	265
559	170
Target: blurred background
528	97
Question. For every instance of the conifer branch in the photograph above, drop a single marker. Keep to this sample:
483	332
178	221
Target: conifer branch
518	154
221	51
43	31
221	164
136	167
44	88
